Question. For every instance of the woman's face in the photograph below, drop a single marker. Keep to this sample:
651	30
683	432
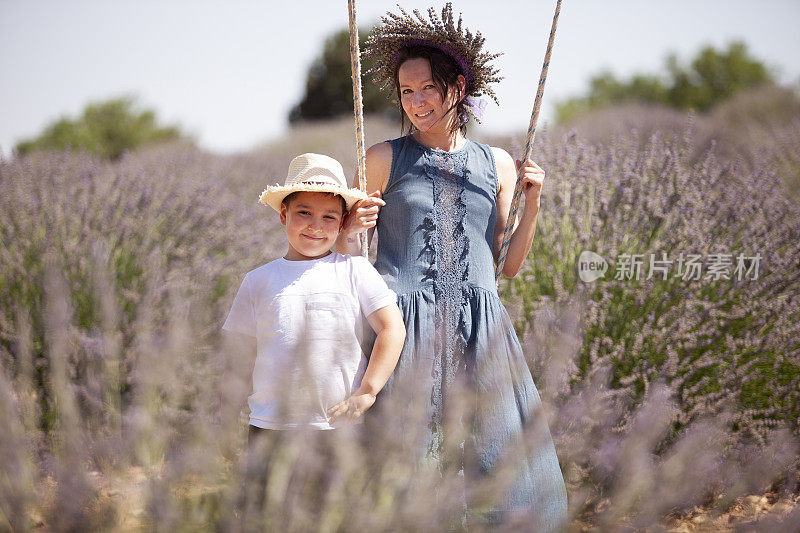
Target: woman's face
421	100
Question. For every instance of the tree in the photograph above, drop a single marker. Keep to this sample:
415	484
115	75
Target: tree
106	128
329	87
714	76
711	77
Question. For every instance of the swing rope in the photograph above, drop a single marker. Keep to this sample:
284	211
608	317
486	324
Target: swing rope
358	108
512	216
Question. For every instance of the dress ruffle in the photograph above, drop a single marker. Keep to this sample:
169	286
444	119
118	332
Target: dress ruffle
509	406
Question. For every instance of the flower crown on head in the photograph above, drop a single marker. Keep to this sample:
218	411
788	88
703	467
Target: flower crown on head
398	31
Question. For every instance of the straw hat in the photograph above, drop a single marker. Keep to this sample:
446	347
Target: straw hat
312	173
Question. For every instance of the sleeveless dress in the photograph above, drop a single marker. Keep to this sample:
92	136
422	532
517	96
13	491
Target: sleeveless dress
435	237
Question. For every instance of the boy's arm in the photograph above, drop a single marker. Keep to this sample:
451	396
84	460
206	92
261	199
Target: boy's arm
391	334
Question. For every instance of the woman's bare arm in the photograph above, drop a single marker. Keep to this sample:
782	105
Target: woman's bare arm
364	215
522	236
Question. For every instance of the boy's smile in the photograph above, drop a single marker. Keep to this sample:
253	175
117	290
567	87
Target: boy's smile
313	221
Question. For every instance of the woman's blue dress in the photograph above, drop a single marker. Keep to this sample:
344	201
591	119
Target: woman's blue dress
435	237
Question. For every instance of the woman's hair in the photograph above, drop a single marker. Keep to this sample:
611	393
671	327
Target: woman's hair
445	72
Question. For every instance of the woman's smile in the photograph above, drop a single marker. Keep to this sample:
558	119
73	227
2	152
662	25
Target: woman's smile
429	109
419	96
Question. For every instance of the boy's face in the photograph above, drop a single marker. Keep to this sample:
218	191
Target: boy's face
313	221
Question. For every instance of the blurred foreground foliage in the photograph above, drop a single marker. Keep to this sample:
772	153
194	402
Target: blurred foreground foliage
121	404
105	128
711	77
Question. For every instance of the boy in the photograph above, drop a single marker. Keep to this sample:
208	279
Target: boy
306	312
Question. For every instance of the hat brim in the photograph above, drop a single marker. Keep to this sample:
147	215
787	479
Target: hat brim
273	195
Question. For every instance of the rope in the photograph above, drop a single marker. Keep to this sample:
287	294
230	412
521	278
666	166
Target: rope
358	108
512	216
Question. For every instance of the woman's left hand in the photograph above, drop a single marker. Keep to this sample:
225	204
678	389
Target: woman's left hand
532	181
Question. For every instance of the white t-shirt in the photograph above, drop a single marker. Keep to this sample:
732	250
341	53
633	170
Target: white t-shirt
307	318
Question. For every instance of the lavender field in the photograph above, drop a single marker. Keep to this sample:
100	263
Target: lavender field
668	398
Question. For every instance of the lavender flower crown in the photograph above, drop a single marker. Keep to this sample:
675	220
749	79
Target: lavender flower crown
398	31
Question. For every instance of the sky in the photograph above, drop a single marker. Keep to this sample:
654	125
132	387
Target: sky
229	71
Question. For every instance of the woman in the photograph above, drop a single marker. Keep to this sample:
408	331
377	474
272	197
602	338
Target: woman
443	202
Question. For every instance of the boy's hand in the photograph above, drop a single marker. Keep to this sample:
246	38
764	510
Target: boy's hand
352	408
